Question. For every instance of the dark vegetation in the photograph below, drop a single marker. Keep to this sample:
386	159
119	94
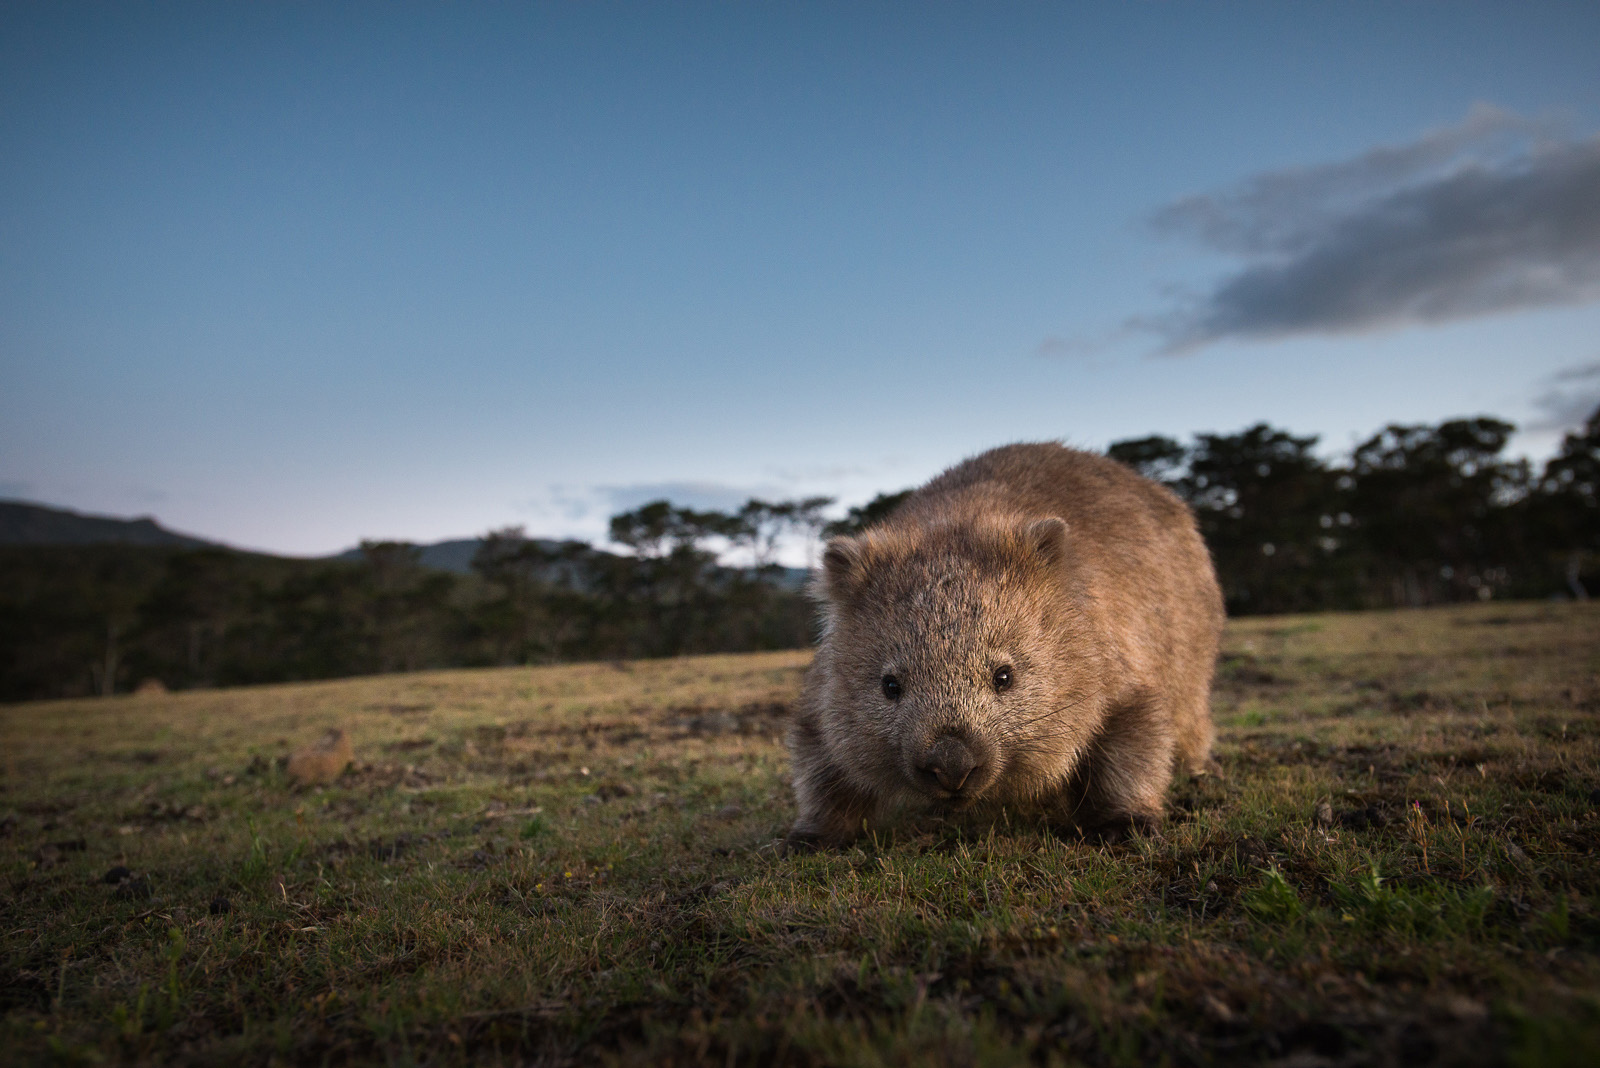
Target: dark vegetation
1415	515
1396	863
102	618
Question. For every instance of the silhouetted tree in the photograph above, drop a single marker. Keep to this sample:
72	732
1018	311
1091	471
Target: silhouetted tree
1566	508
862	516
1159	458
1433	507
1267	506
760	526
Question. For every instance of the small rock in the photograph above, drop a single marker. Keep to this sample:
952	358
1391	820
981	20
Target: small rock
220	905
1359	819
322	761
1217	1009
1464	1008
1415	1045
1323	816
133	890
49	854
116	875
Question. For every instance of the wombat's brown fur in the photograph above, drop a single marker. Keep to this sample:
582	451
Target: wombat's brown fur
1036	626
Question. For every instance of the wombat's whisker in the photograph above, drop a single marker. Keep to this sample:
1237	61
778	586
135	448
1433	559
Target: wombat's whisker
1018	724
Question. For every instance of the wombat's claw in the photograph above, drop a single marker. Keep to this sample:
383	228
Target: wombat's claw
1118	831
798	845
1110	832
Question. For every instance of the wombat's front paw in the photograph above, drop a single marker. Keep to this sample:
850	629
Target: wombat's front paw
1108	832
799	843
1124	828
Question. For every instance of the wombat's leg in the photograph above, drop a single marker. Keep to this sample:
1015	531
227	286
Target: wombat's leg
1124	783
832	811
1192	728
1195	733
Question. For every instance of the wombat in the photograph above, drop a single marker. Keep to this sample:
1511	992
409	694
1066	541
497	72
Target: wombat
1036	627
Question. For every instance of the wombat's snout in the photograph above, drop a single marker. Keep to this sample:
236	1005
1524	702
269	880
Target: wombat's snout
954	765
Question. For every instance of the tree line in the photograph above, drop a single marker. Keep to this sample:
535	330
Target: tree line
84	619
1415	515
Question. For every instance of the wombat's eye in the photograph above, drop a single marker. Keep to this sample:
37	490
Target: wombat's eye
1003	679
891	687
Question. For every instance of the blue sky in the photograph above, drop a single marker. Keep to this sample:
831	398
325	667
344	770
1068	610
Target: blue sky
293	275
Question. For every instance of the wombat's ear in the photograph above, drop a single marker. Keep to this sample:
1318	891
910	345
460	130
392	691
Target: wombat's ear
841	562
1047	538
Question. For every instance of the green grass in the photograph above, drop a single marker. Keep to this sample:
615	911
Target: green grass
1396	865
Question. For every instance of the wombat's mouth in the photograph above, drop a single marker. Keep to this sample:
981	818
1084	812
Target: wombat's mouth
948	802
954	770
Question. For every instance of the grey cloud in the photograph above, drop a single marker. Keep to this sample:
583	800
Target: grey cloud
1284	211
1574	393
1581	373
703	495
1487	216
1066	346
1082	346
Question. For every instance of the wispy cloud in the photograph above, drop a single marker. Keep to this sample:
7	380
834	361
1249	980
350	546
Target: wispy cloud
702	495
1573	394
1493	214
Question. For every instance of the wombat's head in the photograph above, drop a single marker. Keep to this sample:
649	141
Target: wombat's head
955	662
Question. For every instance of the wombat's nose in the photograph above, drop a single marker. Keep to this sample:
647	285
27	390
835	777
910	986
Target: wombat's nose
948	762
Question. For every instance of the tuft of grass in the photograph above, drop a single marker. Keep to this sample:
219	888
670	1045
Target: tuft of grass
1273	900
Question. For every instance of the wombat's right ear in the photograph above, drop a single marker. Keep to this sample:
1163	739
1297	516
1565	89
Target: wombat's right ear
841	563
1048	539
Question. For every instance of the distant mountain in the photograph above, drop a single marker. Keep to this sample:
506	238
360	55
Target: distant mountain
454	555
23	523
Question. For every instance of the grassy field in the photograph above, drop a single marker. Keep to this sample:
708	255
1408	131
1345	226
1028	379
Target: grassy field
1396	865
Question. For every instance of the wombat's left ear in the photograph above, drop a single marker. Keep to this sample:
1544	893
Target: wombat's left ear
841	562
1048	539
